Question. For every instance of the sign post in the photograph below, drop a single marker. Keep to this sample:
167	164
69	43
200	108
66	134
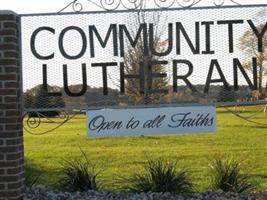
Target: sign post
12	179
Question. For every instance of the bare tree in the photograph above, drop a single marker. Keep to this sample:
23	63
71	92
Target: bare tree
139	62
249	45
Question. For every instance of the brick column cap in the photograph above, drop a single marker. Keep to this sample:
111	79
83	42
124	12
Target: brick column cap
7	12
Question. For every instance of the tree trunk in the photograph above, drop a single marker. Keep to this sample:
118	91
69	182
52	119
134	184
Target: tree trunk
260	79
261	59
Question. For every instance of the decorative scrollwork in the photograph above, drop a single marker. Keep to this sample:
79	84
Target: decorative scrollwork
187	3
77	6
132	4
164	3
256	115
218	2
112	5
33	121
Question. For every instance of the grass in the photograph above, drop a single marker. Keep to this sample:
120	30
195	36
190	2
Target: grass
125	155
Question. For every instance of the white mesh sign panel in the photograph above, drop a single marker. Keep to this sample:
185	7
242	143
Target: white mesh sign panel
119	58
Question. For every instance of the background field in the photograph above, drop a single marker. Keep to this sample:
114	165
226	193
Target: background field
121	156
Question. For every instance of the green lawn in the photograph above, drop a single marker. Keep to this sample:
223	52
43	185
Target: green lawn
119	156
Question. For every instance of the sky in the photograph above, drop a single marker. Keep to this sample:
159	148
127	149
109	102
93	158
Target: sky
52	6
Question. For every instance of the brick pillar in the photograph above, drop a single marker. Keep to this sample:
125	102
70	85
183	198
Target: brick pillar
12	181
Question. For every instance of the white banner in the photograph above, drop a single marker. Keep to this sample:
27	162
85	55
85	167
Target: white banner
141	121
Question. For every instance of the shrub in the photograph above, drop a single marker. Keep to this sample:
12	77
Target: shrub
31	179
160	175
79	175
226	175
32	173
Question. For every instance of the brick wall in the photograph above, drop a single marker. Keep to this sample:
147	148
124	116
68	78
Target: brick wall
11	138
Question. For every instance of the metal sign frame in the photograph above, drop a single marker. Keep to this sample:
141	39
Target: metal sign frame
32	123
